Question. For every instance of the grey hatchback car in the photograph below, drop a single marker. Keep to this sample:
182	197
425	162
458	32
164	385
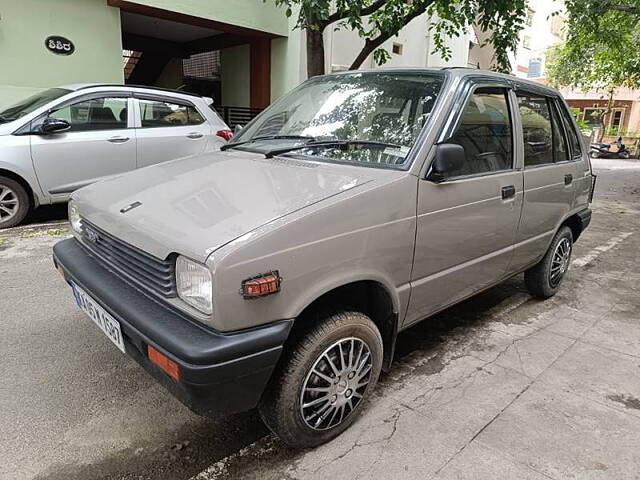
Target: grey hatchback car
62	139
278	272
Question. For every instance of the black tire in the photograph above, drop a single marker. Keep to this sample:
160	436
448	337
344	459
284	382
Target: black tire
543	280
624	155
16	201
594	154
281	405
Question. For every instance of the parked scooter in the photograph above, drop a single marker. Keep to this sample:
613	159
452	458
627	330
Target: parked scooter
605	150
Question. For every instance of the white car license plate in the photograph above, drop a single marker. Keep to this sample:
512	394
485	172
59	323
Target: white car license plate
109	325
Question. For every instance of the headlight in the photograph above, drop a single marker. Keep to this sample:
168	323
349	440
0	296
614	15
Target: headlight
194	284
74	217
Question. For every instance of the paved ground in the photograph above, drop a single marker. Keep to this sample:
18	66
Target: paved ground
501	386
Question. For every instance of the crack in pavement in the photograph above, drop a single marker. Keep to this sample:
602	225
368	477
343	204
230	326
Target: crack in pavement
534	380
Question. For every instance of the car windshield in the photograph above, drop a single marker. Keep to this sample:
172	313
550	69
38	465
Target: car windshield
30	104
370	118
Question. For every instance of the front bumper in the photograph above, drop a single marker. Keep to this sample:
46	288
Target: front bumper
219	373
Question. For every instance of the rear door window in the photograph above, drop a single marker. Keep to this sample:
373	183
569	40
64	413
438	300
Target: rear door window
560	146
156	113
536	129
485	132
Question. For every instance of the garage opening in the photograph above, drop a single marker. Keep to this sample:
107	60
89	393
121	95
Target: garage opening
228	63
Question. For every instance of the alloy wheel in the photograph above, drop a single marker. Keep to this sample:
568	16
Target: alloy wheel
9	203
560	261
335	384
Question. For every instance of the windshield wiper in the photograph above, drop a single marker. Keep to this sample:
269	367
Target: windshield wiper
267	137
341	144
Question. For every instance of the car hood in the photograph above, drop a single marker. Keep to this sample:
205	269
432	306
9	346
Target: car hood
9	127
195	205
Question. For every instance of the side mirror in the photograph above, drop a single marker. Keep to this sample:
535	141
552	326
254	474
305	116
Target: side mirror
237	129
54	125
449	158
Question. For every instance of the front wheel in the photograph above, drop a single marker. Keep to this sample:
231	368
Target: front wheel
543	279
323	380
624	155
594	154
14	203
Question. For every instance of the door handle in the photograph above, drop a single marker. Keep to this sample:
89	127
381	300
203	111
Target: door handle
568	178
118	139
508	192
195	135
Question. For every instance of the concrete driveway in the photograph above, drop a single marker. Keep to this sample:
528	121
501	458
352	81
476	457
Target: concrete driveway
501	386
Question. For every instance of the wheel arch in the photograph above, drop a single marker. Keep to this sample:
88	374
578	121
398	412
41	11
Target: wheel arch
370	297
33	198
575	225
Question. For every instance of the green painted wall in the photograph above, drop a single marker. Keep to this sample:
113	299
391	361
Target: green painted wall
235	70
287	61
27	66
94	28
255	14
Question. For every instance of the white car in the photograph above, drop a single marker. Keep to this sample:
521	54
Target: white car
61	139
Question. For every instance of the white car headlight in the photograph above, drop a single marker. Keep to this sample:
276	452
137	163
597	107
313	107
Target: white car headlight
194	284
74	217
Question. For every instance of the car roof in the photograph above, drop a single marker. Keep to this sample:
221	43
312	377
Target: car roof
458	72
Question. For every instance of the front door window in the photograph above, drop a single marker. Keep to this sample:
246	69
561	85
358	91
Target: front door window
485	133
95	114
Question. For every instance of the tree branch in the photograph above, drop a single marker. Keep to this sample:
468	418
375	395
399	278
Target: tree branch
371	44
378	4
624	8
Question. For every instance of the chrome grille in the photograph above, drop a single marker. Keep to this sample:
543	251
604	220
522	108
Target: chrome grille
128	261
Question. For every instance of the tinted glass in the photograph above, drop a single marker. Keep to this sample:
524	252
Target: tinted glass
536	129
30	104
560	147
382	107
96	114
484	131
167	114
574	140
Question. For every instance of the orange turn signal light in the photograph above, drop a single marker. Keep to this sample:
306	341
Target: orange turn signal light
168	366
261	285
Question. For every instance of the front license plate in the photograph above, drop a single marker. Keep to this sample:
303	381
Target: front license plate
109	325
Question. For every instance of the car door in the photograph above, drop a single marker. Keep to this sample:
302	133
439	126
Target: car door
168	129
550	176
99	144
466	224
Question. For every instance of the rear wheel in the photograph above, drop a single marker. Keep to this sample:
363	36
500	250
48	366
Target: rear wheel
624	155
593	154
324	380
543	279
14	203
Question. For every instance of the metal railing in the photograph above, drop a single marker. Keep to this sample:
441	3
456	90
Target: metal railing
233	116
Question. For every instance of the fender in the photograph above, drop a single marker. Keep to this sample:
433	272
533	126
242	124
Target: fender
399	296
568	215
29	177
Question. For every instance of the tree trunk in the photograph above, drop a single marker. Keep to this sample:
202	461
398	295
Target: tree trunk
604	114
315	53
